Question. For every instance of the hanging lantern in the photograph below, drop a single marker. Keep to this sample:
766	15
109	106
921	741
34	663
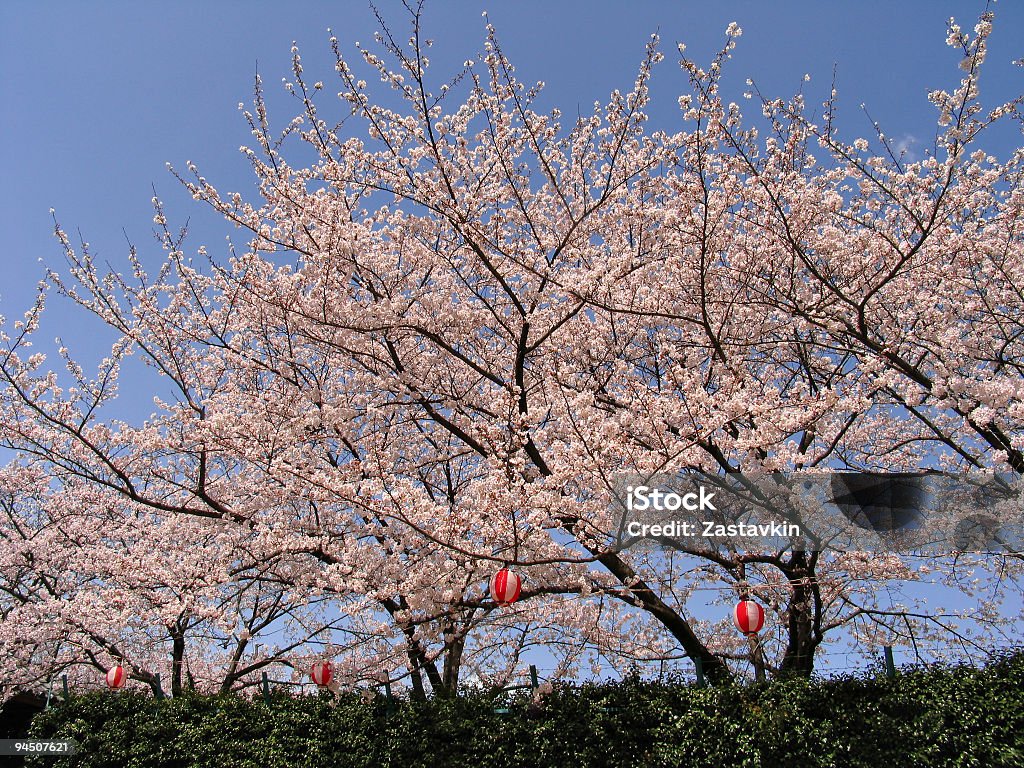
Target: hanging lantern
322	673
749	617
116	677
505	587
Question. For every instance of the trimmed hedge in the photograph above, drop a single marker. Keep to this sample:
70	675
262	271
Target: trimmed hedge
959	716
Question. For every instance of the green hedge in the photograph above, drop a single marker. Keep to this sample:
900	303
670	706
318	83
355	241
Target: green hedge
923	717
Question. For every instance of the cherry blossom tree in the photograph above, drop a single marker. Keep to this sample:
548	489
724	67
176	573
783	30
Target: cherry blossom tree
453	328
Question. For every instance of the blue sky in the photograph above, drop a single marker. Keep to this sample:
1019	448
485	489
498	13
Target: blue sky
95	97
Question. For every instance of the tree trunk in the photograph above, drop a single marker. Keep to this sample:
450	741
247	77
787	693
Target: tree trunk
804	610
177	658
678	627
453	663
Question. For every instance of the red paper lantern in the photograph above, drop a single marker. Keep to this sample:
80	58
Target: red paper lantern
505	587
322	673
749	617
116	677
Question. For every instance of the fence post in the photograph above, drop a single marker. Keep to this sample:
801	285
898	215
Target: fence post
698	663
390	707
266	688
890	666
67	693
533	677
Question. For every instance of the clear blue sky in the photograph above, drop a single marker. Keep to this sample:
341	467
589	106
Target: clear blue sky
95	97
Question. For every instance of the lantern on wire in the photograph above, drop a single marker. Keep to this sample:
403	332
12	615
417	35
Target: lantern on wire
748	616
505	587
116	677
322	673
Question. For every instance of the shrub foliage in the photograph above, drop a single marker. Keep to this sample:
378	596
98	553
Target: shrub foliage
960	716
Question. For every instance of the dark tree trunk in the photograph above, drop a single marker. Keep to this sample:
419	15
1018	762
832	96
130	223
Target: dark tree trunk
804	610
177	659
